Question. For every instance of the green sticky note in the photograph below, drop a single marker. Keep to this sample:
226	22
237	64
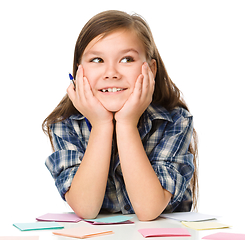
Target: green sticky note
37	226
110	220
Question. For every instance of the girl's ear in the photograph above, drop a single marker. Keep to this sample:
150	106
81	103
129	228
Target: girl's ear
153	67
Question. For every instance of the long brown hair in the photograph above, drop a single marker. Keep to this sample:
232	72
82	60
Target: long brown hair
166	92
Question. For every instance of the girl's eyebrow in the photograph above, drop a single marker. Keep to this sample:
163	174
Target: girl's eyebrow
92	53
129	50
98	53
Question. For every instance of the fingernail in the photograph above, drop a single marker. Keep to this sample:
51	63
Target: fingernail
145	65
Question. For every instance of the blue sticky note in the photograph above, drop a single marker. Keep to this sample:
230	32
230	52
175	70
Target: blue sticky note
37	226
110	220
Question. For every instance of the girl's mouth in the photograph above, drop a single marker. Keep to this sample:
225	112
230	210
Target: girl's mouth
112	89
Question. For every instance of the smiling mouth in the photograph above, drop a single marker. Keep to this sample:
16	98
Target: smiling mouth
112	89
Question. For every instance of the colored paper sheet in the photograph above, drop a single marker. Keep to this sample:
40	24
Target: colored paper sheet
164	232
82	232
59	217
110	220
188	216
206	225
20	238
102	223
225	236
37	226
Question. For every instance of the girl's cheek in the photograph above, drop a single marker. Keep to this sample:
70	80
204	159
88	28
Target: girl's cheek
87	73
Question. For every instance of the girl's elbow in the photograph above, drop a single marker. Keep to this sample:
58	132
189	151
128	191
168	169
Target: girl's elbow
86	214
148	215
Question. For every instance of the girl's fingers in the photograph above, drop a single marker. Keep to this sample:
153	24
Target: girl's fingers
151	81
143	83
148	82
138	86
87	89
145	72
79	78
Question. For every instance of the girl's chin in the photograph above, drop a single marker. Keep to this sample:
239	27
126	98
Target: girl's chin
114	105
113	109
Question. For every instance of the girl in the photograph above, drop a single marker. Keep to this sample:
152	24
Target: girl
123	139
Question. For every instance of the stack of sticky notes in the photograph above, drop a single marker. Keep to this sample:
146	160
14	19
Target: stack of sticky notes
188	216
59	217
164	232
197	221
82	232
110	220
50	221
207	225
225	236
37	226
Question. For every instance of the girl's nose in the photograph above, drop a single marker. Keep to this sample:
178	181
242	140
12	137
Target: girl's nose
111	72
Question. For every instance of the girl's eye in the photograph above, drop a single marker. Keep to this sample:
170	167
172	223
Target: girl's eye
127	60
97	60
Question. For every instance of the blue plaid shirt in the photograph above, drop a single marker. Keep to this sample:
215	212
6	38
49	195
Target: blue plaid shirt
165	136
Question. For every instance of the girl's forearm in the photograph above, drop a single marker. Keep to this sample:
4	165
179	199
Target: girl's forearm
87	190
146	194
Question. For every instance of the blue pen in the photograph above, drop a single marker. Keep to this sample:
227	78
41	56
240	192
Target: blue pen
72	79
87	121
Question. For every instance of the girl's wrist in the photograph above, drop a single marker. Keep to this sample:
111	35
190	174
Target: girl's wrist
122	126
103	126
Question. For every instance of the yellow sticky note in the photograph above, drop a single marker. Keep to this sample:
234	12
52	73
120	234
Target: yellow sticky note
206	225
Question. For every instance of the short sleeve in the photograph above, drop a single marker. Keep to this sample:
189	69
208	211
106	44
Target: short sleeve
64	162
171	160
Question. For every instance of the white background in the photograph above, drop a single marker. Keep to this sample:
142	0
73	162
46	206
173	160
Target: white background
202	45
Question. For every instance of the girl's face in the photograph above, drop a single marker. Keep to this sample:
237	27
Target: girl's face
112	65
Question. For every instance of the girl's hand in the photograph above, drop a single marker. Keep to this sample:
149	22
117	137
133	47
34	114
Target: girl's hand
139	100
85	102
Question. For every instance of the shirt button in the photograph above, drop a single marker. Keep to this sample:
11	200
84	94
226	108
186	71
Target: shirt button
127	207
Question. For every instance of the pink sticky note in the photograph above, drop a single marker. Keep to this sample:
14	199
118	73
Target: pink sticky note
225	236
164	232
59	217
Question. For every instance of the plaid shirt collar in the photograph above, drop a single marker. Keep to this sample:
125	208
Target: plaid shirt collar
151	114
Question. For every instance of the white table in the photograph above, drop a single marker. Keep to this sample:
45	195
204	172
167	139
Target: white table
121	231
